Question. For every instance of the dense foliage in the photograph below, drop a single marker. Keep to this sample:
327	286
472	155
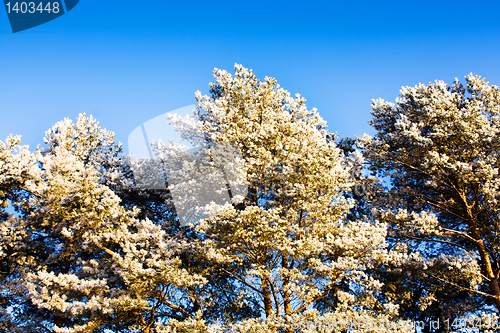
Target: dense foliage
438	146
314	245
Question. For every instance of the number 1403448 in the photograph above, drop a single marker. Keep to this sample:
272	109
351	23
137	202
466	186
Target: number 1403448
32	7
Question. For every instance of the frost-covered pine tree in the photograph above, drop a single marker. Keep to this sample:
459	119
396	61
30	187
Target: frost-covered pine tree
289	244
438	145
75	259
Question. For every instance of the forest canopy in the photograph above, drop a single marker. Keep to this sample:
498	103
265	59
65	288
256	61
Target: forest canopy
392	232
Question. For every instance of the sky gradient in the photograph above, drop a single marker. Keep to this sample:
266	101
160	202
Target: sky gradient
126	62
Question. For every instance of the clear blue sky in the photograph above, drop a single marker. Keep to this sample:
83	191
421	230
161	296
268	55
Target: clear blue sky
126	62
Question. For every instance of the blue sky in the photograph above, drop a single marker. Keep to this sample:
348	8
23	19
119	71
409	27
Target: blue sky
126	62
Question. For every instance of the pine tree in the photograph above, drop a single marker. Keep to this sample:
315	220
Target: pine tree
438	146
289	244
79	260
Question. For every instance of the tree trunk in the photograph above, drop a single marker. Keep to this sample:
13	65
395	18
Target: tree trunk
486	266
266	295
286	292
